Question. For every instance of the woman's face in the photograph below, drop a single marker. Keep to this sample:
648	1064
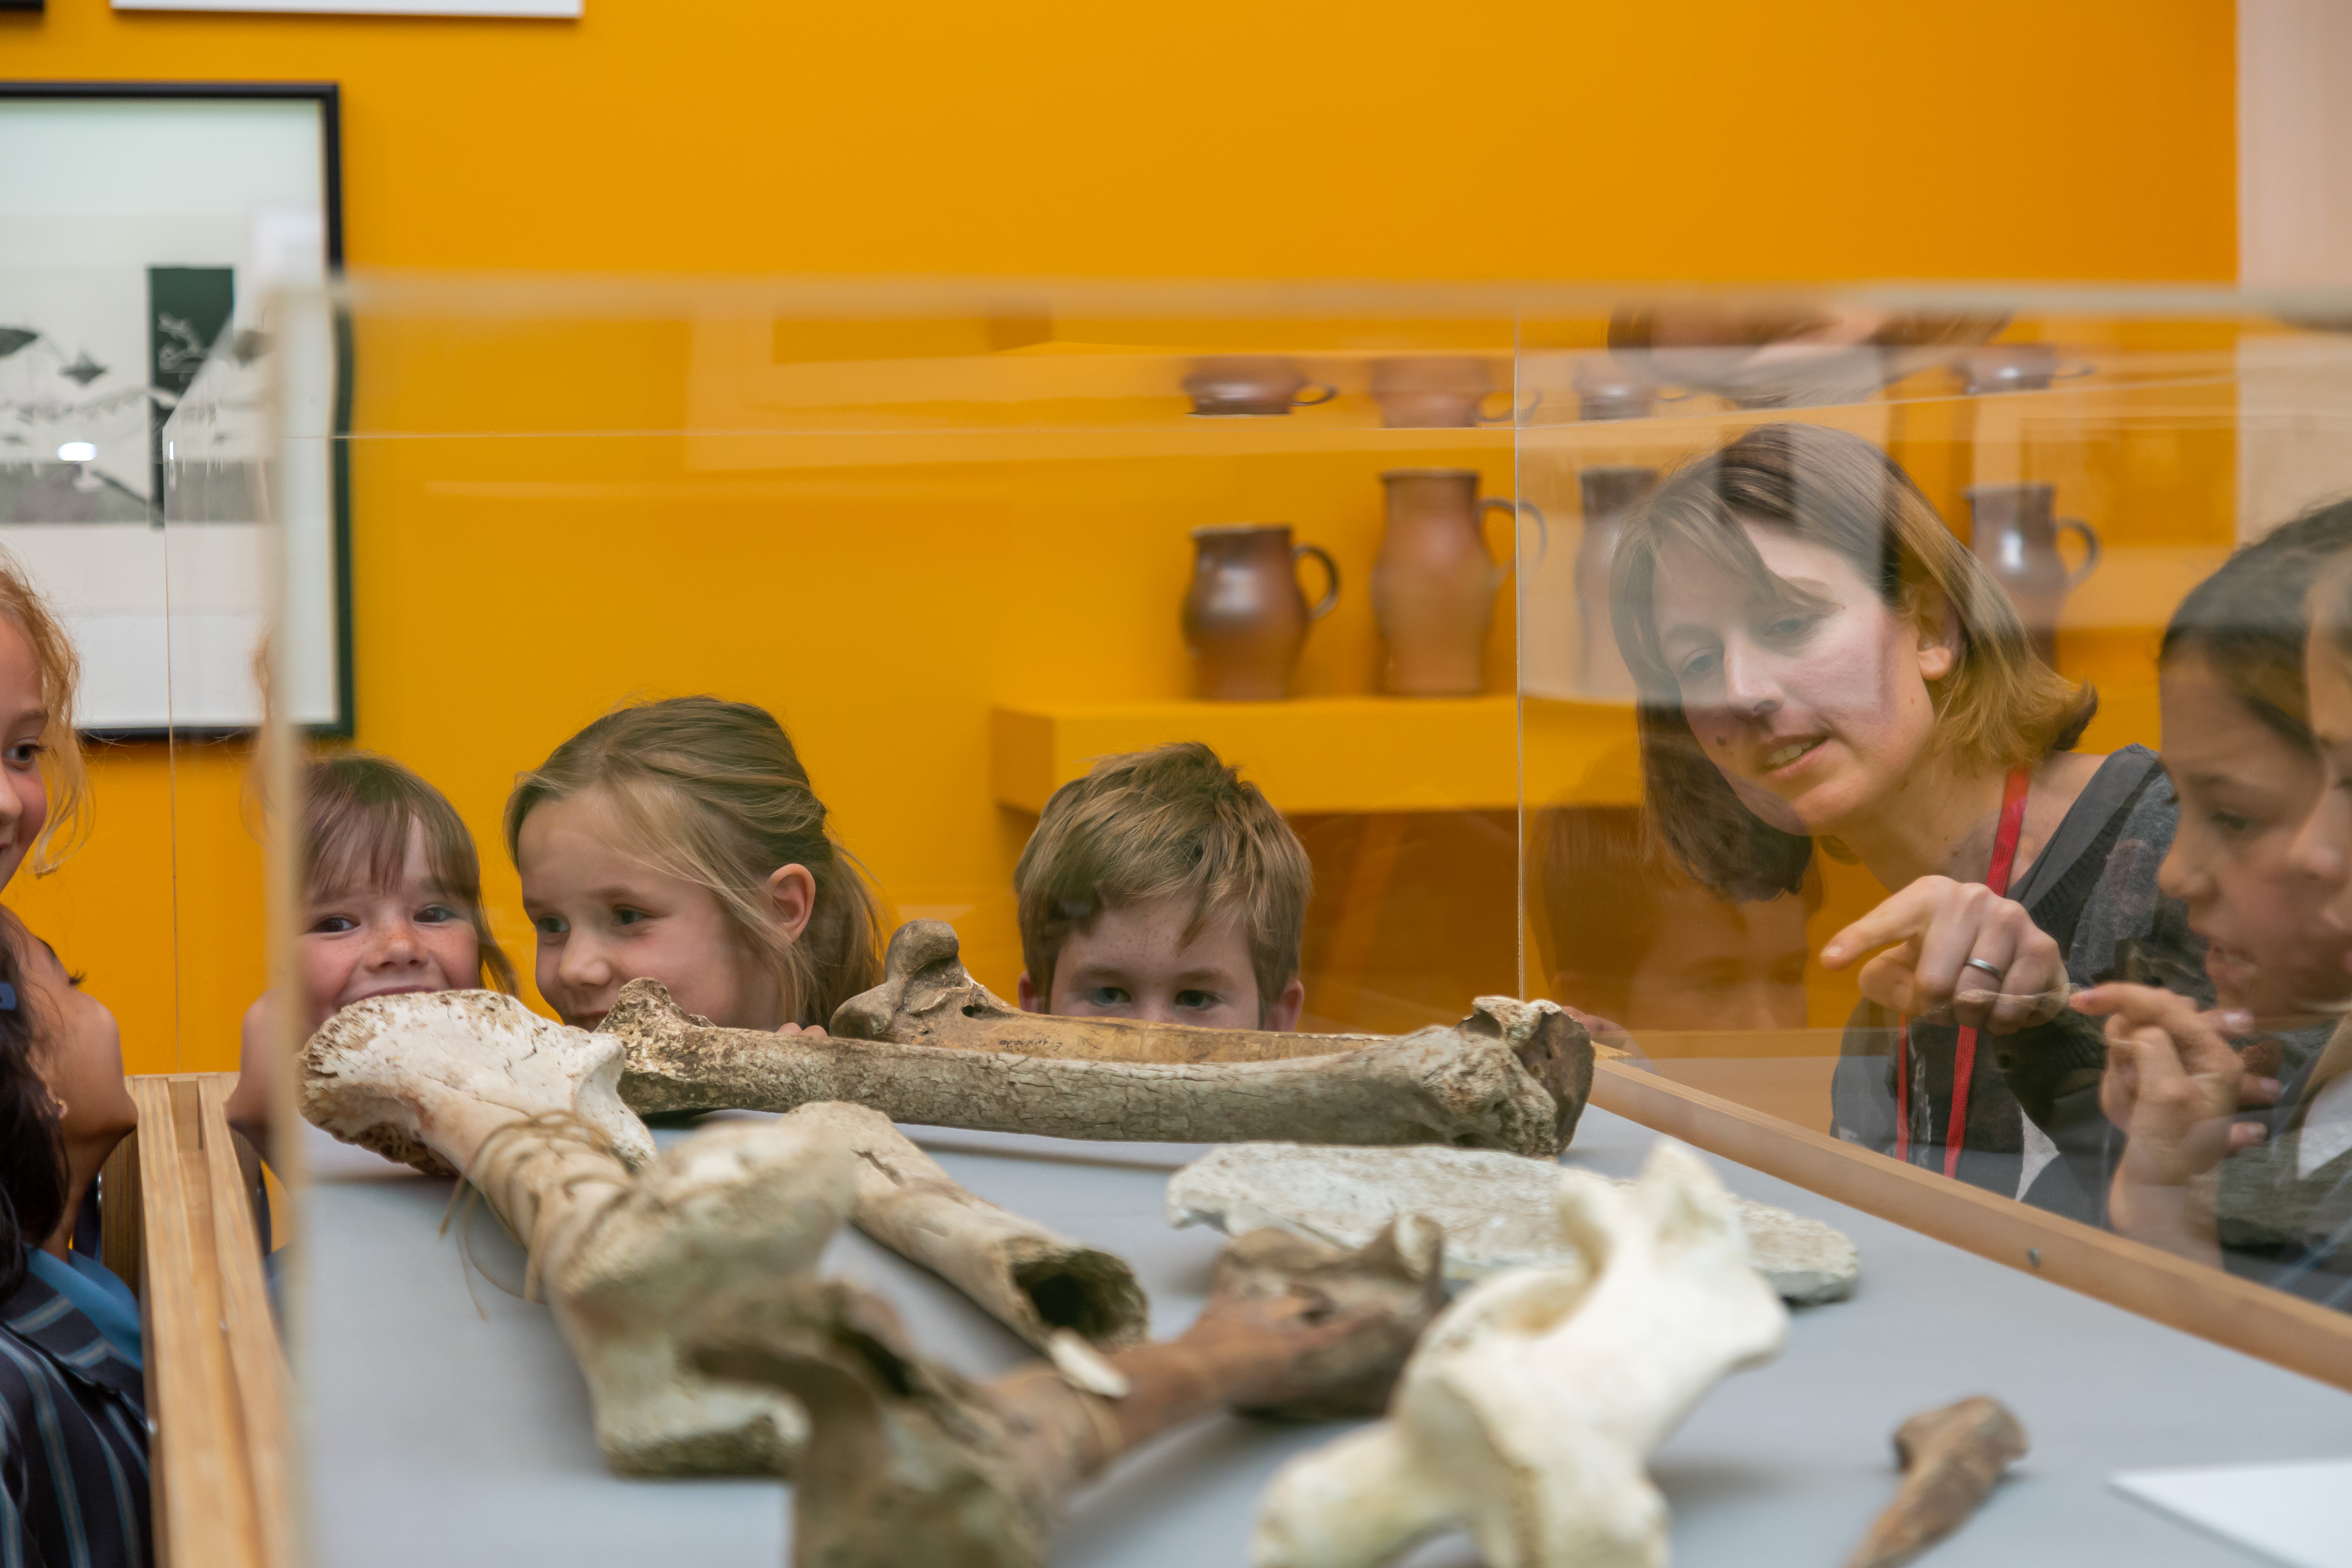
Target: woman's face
604	918
363	942
23	719
1817	713
2245	790
2323	848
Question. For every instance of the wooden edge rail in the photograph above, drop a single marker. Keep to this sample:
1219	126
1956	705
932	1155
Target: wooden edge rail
2272	1325
217	1375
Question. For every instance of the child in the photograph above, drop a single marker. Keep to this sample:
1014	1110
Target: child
392	903
680	841
2257	738
1627	937
1162	886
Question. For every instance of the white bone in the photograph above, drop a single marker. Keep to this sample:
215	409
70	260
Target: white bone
1530	1409
527	1110
1498	1211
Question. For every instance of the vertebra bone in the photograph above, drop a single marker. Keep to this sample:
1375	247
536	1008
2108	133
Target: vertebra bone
1532	1408
910	1463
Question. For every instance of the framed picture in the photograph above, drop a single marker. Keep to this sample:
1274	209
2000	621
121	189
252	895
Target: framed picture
141	225
558	8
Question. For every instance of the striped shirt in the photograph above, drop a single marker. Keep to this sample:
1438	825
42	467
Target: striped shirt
73	1440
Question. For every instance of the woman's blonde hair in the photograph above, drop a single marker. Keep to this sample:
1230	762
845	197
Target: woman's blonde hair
2000	706
62	770
714	793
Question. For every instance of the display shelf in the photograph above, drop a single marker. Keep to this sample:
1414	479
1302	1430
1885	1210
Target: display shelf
1334	755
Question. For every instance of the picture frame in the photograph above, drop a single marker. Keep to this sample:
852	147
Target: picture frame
143	225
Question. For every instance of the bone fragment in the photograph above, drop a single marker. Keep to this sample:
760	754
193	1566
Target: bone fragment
910	1463
1950	1459
1498	1211
477	1083
1512	1076
1033	1281
1531	1410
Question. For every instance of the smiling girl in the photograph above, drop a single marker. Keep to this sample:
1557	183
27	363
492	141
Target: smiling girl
680	841
1820	661
392	903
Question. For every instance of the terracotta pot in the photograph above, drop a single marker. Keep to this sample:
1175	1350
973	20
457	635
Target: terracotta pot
1436	391
1250	386
1245	618
1608	494
2014	530
1434	584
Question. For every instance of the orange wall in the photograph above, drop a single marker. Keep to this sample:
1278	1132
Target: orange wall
1713	140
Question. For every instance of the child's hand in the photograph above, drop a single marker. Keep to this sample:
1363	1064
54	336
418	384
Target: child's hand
813	1031
2173	1083
1961	948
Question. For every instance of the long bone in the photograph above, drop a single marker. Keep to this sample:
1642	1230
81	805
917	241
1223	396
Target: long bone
911	1463
1513	1075
1531	1410
625	1242
1036	1283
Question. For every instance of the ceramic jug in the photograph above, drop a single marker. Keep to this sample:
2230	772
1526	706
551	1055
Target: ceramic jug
1251	386
1245	618
1436	391
1434	584
1610	492
2014	530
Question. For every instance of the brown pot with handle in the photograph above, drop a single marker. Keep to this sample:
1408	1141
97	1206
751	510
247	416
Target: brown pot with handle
2014	530
1245	619
1433	584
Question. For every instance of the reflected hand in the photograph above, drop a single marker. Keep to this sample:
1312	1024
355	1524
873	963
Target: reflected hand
1938	926
2174	1083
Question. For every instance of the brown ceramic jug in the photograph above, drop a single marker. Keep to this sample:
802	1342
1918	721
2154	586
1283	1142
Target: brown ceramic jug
2014	530
1610	492
1434	584
1245	618
1251	386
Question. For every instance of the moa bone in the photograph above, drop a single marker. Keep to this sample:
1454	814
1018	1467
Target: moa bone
625	1242
1033	1281
1469	1086
1498	1211
910	1463
927	998
1950	1459
1532	1408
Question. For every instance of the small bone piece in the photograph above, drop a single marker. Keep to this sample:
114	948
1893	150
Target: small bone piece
474	1081
1035	1282
1532	1408
1950	1459
1499	1211
1512	1076
910	1463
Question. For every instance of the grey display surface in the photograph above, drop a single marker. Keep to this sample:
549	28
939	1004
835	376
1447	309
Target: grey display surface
446	1432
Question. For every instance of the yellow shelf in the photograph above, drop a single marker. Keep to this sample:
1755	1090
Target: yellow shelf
1322	754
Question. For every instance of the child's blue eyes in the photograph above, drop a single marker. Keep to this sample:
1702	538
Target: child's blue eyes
549	925
332	925
1195	1000
24	753
1107	996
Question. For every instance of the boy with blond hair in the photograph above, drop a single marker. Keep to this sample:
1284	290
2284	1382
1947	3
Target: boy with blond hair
1162	887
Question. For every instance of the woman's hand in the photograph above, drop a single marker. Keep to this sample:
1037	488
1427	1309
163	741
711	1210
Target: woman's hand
1938	925
2174	1083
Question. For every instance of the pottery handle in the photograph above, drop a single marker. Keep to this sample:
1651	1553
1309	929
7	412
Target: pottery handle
1332	594
1543	529
1300	399
1519	414
2090	548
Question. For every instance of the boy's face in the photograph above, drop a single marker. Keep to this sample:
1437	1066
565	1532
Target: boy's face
1134	963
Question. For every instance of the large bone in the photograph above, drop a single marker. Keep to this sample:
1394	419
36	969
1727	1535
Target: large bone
1029	1279
1531	1410
527	1111
1512	1076
1498	1211
1950	1459
910	1463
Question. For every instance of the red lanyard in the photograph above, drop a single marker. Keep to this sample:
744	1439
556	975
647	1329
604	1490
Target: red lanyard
1964	1060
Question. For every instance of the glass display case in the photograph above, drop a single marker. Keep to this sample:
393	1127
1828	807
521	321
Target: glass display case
1626	651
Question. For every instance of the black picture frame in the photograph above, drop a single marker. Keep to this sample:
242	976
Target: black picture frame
328	97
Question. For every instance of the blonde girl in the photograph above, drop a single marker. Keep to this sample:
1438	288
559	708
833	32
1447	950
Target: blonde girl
681	841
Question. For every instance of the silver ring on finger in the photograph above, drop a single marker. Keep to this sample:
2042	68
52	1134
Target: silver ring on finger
1991	969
